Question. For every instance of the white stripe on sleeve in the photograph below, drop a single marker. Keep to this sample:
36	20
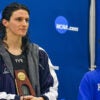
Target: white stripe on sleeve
4	95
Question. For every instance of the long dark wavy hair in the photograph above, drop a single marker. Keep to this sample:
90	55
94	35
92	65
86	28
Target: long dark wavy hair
7	13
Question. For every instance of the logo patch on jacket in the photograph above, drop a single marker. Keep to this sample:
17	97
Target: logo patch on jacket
5	71
98	86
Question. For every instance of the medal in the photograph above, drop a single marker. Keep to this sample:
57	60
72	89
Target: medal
23	84
21	76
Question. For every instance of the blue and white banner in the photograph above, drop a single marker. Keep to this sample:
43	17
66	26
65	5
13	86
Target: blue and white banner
97	62
61	27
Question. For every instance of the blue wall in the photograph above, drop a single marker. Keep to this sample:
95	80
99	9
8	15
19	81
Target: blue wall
70	51
97	33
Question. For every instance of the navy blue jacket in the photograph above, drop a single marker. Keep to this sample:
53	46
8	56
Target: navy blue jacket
42	86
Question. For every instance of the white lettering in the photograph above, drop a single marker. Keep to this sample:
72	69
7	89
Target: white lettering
65	27
19	60
73	28
61	26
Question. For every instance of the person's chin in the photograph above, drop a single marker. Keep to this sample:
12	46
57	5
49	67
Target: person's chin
22	35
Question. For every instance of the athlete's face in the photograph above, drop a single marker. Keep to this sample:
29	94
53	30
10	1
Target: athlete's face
18	23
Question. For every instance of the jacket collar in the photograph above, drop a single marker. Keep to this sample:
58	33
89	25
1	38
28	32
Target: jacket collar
6	58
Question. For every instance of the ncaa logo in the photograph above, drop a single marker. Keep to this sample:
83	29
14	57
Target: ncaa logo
61	24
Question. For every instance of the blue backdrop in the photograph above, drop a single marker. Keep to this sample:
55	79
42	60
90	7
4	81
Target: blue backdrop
68	50
97	33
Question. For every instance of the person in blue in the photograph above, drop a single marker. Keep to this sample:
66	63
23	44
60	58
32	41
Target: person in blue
89	88
18	53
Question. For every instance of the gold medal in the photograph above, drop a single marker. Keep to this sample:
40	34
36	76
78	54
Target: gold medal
21	76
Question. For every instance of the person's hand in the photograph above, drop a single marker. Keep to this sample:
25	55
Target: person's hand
26	97
31	98
37	98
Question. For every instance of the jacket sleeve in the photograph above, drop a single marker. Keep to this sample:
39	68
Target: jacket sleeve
85	88
5	96
48	77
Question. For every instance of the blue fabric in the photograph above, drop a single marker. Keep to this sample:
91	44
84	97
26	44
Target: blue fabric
6	80
97	61
89	88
